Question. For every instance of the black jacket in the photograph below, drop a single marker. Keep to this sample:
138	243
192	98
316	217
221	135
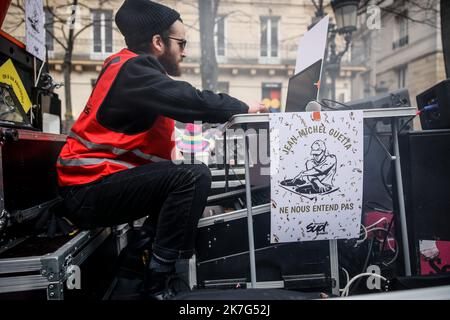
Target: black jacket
142	91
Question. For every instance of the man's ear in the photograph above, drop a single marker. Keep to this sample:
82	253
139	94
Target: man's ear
157	45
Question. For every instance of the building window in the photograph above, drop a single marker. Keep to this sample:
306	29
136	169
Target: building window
49	29
102	31
401	33
269	37
219	36
271	96
366	85
401	77
223	87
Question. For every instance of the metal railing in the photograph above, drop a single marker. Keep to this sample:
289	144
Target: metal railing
235	53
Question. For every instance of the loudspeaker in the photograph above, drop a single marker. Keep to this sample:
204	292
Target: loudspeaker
26	66
425	159
377	182
439	95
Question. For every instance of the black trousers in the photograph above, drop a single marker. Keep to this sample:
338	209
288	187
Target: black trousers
172	195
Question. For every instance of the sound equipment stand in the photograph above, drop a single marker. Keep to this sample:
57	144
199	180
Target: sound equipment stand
255	121
401	199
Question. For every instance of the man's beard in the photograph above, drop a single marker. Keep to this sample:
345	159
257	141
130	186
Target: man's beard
170	64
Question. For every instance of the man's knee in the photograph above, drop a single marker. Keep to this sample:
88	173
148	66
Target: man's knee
202	174
195	174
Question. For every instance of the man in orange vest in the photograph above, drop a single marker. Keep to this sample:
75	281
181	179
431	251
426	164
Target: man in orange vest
116	164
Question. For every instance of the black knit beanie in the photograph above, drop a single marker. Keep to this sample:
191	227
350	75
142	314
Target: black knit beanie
140	20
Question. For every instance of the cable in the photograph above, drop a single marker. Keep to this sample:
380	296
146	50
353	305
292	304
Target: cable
346	275
236	176
381	208
375	223
327	106
388	232
407	122
345	292
39	74
374	133
366	262
365	236
390	247
394	258
431	107
371	130
389	243
383	178
340	103
376	229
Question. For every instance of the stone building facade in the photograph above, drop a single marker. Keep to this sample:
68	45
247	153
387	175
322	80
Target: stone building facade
256	45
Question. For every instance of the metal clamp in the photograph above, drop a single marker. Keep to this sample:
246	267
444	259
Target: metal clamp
55	291
4	219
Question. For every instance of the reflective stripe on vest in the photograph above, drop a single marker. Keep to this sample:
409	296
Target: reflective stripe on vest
93	151
96	146
90	161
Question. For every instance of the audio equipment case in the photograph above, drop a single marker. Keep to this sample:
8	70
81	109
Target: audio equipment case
222	257
426	176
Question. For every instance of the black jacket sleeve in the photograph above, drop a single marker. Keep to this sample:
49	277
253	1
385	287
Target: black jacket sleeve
142	91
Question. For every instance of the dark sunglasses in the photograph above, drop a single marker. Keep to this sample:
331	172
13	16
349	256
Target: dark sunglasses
181	42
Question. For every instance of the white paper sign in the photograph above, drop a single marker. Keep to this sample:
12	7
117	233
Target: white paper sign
311	47
316	175
35	32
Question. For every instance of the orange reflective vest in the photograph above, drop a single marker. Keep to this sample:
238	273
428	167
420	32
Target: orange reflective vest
93	151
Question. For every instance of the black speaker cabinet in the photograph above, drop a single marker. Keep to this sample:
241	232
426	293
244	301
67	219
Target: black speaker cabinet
377	180
438	95
222	254
425	159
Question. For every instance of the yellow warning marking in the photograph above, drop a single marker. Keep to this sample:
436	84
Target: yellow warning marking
9	75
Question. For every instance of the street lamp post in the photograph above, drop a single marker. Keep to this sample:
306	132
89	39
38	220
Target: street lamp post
345	12
333	62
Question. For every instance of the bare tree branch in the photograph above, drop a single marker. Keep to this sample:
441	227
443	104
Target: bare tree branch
16	26
191	26
61	14
54	15
18	5
315	4
407	16
192	4
429	7
63	45
82	29
63	31
397	9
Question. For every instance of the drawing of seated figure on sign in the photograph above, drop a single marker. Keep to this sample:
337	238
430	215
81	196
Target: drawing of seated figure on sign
319	174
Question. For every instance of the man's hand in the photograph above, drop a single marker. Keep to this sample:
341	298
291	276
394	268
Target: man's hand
320	187
300	176
299	179
257	108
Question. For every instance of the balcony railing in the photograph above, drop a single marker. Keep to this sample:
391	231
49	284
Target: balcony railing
236	53
247	53
400	43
